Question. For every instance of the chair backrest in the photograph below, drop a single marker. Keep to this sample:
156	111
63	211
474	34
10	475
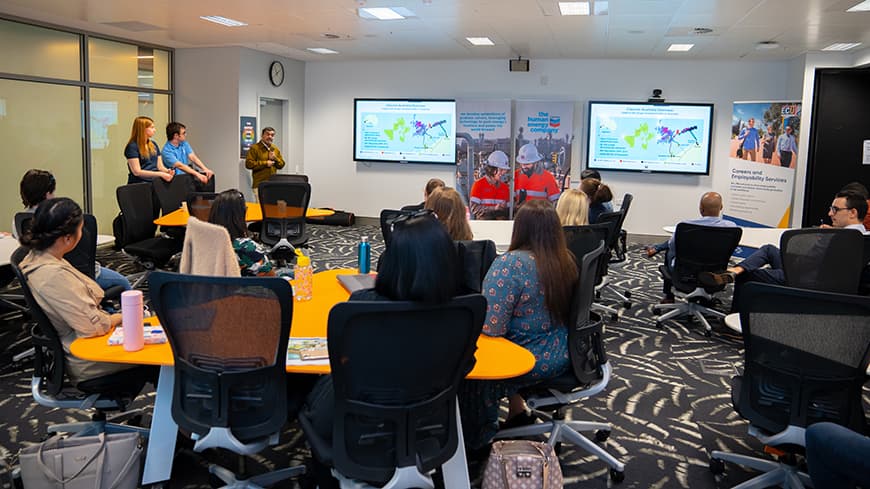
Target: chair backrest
823	259
864	285
475	257
137	213
84	255
583	239
396	367
284	177
626	205
48	358
22	222
284	205
199	204
585	332
699	249
806	354
171	194
614	220
387	217
229	340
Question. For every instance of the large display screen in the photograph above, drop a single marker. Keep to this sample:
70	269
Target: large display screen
649	137
404	131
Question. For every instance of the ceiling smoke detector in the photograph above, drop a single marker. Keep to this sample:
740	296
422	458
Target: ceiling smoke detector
329	35
766	45
700	31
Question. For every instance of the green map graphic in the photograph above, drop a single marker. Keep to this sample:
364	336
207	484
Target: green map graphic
642	134
400	129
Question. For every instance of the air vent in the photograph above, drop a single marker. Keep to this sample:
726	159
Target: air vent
336	37
134	26
700	31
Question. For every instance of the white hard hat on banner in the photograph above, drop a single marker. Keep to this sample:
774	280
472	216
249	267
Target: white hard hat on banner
528	154
498	159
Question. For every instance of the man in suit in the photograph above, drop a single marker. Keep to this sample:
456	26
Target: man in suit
264	159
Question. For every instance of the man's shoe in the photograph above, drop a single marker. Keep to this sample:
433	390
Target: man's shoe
651	252
711	279
666	300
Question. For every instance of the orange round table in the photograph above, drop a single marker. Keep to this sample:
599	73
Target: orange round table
253	213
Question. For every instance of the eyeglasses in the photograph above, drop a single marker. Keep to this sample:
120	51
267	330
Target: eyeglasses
402	219
834	209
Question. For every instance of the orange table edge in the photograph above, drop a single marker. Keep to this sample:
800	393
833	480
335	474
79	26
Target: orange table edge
253	213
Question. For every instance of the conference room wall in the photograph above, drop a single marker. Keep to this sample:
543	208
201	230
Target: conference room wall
366	188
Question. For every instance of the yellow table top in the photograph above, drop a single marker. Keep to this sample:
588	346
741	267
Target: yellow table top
253	213
497	358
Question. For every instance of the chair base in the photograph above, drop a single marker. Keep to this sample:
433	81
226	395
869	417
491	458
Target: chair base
402	477
775	473
258	481
97	426
687	309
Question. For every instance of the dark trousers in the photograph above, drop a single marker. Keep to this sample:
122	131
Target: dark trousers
785	158
752	271
838	458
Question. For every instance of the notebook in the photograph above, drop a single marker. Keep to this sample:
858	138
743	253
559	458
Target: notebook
352	283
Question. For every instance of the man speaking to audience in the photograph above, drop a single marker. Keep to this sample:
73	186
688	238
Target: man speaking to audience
264	159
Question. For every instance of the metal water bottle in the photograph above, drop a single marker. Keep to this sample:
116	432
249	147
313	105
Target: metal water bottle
364	255
131	320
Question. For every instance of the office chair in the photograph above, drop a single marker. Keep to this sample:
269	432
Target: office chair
396	367
288	177
229	341
386	219
829	260
284	205
135	232
619	250
589	375
806	354
170	195
614	220
582	240
199	204
864	285
475	257
697	249
49	386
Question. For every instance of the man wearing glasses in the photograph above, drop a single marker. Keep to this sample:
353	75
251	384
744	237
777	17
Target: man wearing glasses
846	212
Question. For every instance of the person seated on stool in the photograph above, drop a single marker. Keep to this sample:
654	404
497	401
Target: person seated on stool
528	292
711	208
70	299
419	243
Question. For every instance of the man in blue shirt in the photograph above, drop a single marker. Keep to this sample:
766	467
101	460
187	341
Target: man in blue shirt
786	147
178	154
749	139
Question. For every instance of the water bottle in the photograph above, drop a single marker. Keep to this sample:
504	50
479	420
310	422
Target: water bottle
303	277
131	320
364	255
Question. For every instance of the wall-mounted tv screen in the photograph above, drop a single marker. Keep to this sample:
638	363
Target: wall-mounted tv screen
404	130
649	137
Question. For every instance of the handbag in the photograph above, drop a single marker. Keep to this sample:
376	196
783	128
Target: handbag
86	462
522	464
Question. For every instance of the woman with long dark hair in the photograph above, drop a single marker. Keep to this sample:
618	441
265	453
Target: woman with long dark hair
228	210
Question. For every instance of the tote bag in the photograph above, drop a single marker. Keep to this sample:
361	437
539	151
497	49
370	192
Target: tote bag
86	462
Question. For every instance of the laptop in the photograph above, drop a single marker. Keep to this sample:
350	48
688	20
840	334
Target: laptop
352	283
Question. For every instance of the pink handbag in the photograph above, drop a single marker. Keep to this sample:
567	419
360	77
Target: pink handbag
522	464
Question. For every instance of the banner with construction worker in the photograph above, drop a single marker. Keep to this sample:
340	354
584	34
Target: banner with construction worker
544	135
483	146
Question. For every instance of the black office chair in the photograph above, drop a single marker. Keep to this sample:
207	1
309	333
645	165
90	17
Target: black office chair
697	249
199	204
284	205
589	375
135	232
829	260
50	387
806	354
386	219
170	195
396	367
864	285
618	252
475	258
288	177
614	220
229	341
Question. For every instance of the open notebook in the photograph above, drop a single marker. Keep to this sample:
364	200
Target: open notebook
352	283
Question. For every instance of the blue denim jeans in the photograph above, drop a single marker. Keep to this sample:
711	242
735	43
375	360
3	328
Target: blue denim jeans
838	457
110	278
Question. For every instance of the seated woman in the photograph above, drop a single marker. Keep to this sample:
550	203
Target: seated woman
600	198
70	299
528	292
451	211
573	208
420	244
228	210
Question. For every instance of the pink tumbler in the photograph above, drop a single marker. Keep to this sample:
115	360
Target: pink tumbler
131	320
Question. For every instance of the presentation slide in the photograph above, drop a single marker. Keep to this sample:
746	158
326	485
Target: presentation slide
411	131
650	137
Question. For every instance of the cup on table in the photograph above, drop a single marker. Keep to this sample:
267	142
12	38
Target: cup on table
184	206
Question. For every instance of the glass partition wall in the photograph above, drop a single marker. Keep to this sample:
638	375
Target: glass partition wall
67	104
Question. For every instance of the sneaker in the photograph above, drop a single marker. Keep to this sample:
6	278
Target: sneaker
711	279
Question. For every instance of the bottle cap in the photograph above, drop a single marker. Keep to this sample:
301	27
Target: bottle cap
302	260
364	239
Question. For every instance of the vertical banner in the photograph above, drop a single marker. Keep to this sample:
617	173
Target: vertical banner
247	134
763	156
483	148
544	135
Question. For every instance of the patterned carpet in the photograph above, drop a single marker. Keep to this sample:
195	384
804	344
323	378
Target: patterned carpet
668	401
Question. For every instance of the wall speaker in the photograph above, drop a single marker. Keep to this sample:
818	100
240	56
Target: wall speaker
519	64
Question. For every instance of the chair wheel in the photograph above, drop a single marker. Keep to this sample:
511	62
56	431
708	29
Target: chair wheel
627	294
717	467
708	333
659	325
617	476
656	310
602	435
598	294
614	317
558	448
626	304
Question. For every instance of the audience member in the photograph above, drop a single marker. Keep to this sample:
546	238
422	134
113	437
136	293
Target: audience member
418	243
573	208
432	185
861	189
447	205
589	173
600	198
490	196
528	292
710	208
38	186
178	154
531	180
263	159
69	298
143	155
838	458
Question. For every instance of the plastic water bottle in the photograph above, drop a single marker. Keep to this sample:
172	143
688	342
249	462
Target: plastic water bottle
303	277
364	255
131	320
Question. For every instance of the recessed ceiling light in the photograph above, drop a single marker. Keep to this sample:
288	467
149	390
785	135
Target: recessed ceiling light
680	47
480	41
380	13
322	50
217	19
861	7
841	46
574	8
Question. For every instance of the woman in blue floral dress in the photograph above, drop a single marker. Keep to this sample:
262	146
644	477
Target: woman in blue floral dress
528	292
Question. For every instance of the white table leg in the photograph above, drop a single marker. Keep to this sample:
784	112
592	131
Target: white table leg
455	470
161	440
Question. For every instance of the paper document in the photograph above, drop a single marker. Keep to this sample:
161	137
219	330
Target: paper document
307	351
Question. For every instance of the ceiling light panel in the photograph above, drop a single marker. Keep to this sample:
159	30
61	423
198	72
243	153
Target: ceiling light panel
842	46
680	48
480	41
217	19
861	7
322	50
574	8
380	13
